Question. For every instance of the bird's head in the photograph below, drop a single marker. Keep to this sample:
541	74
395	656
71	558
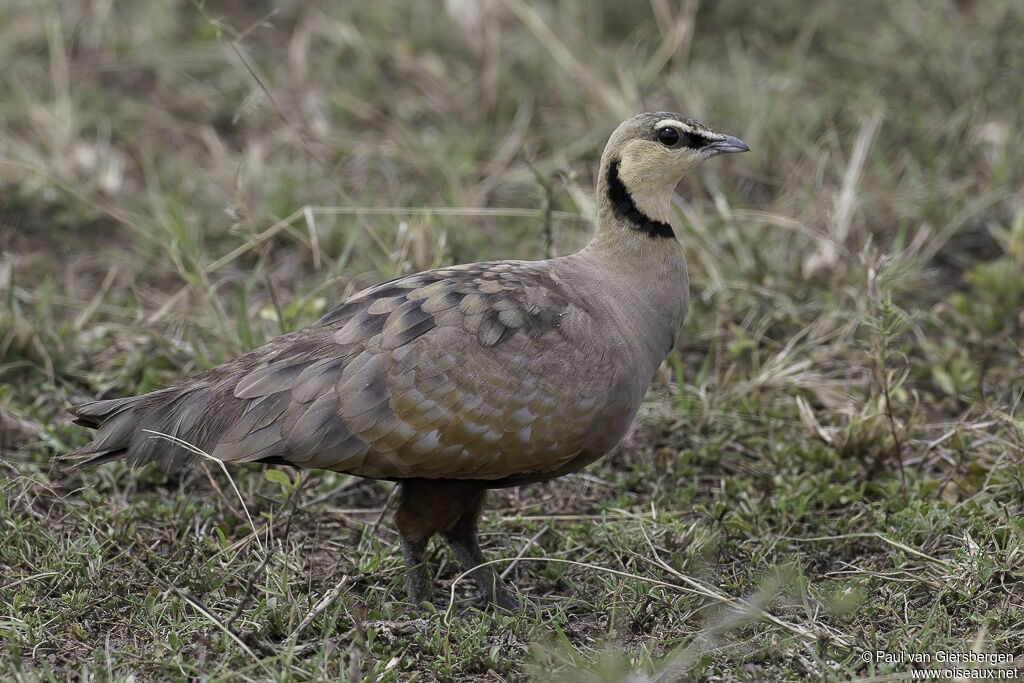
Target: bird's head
645	159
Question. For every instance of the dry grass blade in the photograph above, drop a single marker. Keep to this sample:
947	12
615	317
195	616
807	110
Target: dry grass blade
740	606
881	537
522	551
676	42
216	622
324	603
26	579
693	586
846	202
90	310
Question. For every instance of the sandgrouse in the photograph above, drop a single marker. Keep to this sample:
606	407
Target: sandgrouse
456	380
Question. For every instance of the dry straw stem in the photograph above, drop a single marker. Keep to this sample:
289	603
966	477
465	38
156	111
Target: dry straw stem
675	40
846	201
522	551
324	603
234	42
744	606
216	622
200	452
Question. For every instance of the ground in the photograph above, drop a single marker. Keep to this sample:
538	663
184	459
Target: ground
828	471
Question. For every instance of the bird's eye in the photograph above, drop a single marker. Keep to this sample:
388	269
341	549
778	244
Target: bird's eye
668	137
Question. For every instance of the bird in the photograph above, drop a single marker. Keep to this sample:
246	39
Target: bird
454	381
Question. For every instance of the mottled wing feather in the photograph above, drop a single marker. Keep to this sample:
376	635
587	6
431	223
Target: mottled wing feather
465	377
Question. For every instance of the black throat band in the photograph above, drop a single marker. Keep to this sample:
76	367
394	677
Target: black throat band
624	207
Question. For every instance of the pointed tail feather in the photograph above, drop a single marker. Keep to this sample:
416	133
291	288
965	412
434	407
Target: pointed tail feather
121	426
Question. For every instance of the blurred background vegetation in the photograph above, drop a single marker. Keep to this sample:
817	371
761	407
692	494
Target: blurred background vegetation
830	462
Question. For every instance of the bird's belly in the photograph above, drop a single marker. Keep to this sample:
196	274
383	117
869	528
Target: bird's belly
607	427
516	423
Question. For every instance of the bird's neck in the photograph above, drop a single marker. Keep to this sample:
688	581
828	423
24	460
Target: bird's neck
634	221
639	202
641	261
636	256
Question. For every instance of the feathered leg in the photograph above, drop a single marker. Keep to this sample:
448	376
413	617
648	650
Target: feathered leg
451	507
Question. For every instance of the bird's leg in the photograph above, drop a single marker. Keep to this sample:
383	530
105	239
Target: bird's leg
450	506
426	506
418	584
417	519
462	537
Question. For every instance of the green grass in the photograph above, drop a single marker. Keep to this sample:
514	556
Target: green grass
831	461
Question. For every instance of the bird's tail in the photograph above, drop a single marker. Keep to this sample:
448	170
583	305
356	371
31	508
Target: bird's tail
130	428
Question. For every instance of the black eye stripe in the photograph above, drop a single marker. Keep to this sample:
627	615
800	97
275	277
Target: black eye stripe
693	141
671	136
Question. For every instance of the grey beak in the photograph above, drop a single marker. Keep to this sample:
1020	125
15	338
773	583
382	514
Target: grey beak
729	145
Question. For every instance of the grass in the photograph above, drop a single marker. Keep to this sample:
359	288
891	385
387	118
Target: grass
830	463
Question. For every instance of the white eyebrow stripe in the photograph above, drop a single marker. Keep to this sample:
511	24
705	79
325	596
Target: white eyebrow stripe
687	128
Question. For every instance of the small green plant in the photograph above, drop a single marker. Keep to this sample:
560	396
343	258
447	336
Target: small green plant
885	322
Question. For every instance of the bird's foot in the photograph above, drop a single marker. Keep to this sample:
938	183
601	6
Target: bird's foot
418	587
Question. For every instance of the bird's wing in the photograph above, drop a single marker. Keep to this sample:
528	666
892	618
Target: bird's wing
464	372
483	371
